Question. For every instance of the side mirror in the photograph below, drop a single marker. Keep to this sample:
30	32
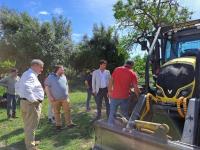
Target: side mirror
143	45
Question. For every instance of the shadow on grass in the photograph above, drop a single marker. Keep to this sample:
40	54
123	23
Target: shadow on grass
11	134
47	134
3	120
18	145
84	129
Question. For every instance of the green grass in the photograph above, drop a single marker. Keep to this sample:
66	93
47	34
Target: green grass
81	137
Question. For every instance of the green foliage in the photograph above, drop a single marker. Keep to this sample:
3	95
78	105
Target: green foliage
6	65
141	18
139	67
25	38
104	44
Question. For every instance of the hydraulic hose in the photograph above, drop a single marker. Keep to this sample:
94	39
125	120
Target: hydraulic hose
179	102
185	106
149	97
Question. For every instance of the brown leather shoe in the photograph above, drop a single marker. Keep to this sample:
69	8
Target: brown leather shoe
36	148
71	125
58	128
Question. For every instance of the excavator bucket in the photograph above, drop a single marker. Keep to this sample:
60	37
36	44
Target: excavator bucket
142	135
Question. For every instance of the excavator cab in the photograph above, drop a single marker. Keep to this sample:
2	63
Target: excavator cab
167	117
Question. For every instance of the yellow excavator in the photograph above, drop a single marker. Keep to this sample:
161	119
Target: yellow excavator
167	113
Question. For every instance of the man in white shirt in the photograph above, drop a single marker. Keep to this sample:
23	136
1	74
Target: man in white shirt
32	94
100	81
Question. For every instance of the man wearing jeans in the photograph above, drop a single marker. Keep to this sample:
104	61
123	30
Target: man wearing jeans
56	87
122	80
100	80
9	83
88	84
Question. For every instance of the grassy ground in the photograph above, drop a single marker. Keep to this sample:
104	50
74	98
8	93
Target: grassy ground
81	137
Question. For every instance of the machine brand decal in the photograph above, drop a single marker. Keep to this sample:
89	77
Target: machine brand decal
169	91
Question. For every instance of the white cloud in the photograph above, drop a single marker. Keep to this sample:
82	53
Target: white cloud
193	6
33	7
43	13
77	37
77	34
31	4
58	11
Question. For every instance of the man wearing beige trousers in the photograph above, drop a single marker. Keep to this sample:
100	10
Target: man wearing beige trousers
32	94
56	87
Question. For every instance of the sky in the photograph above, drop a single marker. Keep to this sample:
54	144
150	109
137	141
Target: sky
82	13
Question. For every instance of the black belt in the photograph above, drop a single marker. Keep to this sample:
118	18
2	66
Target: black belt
103	88
28	100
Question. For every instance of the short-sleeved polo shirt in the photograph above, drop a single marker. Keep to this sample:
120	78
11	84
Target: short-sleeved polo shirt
124	78
58	86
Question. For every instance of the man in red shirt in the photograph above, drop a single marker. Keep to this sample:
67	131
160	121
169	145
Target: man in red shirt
122	80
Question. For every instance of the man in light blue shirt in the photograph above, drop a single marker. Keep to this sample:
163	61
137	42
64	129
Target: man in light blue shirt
56	87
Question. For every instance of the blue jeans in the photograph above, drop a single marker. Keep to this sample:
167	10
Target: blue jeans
89	95
11	105
114	103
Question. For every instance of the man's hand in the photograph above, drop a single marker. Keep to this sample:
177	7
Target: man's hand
49	95
110	87
136	90
109	94
35	102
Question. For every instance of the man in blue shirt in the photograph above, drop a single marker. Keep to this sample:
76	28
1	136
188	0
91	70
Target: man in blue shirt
56	87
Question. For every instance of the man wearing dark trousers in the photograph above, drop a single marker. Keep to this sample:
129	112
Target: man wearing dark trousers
9	83
88	84
100	81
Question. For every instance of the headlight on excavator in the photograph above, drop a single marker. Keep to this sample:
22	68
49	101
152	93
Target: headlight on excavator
185	92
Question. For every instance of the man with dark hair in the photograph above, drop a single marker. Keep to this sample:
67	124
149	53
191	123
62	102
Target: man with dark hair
100	80
122	80
88	84
56	87
9	83
31	93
